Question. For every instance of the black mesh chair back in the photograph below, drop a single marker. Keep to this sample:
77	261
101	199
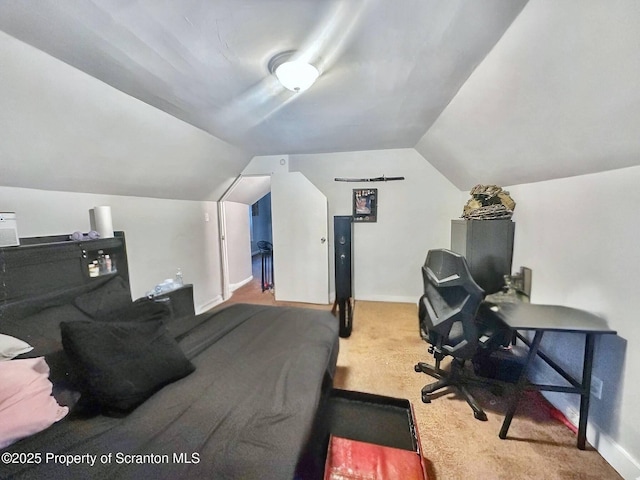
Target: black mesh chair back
449	305
447	316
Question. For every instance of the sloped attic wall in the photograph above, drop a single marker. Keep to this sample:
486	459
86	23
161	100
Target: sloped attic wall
556	97
64	130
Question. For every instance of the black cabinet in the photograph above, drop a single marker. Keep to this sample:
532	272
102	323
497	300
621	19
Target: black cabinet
488	247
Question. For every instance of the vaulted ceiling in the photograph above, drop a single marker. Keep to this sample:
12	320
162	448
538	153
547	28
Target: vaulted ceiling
503	90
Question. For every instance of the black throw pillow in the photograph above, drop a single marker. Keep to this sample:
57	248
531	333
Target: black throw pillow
142	310
107	298
118	365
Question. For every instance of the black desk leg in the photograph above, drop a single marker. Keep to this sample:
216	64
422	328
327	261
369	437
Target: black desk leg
585	389
533	350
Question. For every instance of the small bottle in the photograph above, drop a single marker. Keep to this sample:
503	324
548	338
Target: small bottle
93	269
102	263
179	278
107	260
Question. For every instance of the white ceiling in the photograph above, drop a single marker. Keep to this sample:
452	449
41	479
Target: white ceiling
491	91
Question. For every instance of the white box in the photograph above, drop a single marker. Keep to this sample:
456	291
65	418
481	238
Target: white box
8	230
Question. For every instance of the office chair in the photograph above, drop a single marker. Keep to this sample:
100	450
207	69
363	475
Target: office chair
448	321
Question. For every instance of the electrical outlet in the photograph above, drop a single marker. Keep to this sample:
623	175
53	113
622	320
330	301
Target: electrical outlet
573	416
596	387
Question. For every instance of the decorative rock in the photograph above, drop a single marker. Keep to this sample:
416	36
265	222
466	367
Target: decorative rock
488	202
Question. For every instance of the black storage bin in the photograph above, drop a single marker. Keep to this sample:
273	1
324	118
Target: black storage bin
363	417
372	418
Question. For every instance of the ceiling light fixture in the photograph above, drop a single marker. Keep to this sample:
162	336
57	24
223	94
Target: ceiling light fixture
294	75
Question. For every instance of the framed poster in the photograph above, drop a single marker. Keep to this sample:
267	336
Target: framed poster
365	204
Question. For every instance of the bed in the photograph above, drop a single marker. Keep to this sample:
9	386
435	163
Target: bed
229	394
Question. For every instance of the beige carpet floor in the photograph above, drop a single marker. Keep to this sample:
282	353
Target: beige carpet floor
379	358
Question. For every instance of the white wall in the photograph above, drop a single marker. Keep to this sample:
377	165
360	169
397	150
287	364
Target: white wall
580	237
267	165
238	243
161	235
413	216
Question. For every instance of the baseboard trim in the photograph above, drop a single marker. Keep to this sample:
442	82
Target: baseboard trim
235	286
386	298
613	453
210	304
606	446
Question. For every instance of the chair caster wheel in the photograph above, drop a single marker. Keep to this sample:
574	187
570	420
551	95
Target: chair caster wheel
426	398
480	416
416	367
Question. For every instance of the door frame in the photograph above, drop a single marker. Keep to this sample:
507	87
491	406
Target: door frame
222	231
222	235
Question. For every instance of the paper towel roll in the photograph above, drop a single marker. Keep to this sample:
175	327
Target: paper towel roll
101	221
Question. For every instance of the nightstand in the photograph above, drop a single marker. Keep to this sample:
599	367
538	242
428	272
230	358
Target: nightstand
179	301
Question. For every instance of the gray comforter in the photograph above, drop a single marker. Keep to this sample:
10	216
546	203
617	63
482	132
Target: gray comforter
245	413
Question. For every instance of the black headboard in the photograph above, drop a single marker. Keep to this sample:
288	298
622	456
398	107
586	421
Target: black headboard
46	267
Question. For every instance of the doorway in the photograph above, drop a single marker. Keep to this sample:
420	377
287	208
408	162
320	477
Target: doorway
234	212
260	228
299	232
260	223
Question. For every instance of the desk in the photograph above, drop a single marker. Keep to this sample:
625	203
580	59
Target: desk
551	318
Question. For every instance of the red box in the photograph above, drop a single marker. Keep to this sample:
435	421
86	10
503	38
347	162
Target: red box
372	437
354	460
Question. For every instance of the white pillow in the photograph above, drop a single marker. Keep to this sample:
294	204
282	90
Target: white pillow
11	347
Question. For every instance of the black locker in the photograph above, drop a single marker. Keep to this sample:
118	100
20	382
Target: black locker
343	236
